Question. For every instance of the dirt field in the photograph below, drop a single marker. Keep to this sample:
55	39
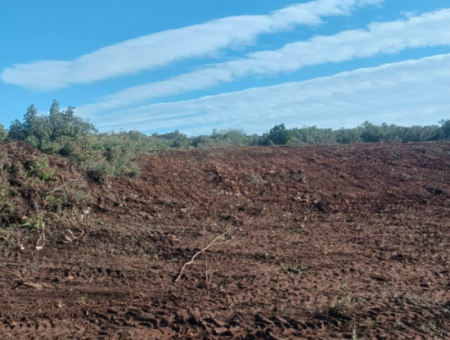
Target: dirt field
318	243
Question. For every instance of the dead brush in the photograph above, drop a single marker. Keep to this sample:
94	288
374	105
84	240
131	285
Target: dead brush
21	281
332	311
341	309
66	194
214	242
12	237
77	221
11	241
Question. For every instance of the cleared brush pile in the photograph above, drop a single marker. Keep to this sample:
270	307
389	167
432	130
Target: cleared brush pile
336	242
36	188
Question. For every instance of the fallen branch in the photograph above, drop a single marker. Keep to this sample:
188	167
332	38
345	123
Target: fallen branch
31	285
191	261
22	282
75	237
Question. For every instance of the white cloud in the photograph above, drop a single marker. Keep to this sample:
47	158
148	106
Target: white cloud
429	29
409	92
409	14
159	49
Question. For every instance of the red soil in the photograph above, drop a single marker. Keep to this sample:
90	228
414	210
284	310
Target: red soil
345	242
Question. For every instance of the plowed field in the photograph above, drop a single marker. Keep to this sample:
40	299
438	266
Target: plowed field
335	242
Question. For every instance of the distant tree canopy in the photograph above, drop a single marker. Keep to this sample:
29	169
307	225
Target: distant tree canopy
3	133
40	130
113	154
279	135
445	129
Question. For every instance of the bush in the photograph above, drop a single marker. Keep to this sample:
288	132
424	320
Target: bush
97	172
347	136
39	168
313	135
177	139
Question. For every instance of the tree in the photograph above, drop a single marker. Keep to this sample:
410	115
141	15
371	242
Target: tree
370	133
38	131
16	130
445	129
33	130
65	124
54	108
278	135
3	133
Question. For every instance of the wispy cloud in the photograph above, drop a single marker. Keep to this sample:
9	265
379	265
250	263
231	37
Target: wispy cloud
159	49
429	29
409	92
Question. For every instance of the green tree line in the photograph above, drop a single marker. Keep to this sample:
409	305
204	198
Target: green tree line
113	154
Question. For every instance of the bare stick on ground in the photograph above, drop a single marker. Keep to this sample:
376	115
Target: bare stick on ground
22	282
191	261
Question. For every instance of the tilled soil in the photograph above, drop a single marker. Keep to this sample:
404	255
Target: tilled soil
336	242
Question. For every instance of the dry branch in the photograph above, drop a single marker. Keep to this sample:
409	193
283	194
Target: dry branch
191	261
22	282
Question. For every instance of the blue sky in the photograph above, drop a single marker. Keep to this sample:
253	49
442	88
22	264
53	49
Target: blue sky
195	65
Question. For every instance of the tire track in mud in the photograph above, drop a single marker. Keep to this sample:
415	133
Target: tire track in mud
325	242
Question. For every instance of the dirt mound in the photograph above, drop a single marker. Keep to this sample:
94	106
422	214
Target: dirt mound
340	242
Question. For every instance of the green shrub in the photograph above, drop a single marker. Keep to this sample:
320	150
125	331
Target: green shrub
347	136
97	172
176	139
39	168
313	135
223	138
